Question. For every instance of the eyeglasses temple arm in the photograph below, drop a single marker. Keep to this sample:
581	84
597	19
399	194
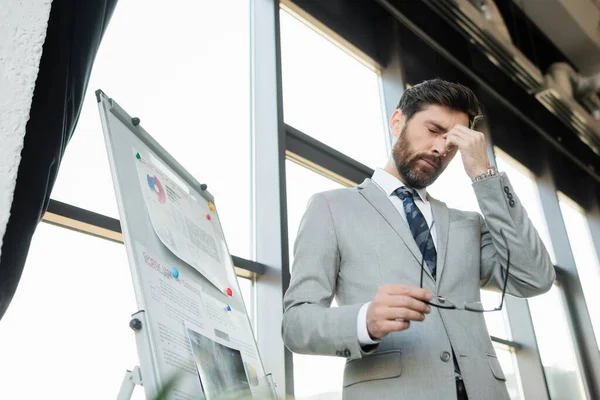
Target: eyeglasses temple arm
507	268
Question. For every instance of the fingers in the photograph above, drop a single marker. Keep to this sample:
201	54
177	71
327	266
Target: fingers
465	130
406	290
466	140
453	142
394	326
455	139
408	303
394	307
462	128
404	314
472	146
462	135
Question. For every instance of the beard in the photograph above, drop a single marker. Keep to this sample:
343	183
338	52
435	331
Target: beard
407	163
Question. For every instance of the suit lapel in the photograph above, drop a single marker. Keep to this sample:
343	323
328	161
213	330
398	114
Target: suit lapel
441	216
386	209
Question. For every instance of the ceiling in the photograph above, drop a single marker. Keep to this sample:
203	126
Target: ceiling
572	25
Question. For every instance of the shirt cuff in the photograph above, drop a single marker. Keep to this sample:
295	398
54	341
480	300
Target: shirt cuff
364	339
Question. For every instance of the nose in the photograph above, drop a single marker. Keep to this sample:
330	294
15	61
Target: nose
439	146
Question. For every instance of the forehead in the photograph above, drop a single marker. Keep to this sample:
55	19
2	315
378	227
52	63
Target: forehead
443	116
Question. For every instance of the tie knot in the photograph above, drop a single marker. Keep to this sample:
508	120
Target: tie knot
404	192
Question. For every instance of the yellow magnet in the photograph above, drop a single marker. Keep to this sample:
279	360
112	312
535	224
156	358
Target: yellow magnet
211	206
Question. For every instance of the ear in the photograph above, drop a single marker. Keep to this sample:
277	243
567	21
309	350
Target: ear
397	122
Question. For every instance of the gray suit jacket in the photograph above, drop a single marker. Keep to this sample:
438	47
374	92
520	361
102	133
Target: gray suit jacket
351	241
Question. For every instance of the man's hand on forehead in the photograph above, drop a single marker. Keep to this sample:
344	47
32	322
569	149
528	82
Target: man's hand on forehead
472	146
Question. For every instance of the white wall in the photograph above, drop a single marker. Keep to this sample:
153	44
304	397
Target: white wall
22	33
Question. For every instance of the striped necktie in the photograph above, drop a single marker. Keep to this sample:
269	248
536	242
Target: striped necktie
420	231
418	227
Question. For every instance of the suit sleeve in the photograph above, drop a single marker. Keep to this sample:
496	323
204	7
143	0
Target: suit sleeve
310	325
531	270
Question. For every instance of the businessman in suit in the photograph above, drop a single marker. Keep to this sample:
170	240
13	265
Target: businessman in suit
406	270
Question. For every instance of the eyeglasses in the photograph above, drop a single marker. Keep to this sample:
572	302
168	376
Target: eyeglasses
474	121
475	306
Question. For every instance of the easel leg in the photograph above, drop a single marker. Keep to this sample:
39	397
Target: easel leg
131	379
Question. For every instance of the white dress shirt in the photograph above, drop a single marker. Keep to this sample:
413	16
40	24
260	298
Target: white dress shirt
388	185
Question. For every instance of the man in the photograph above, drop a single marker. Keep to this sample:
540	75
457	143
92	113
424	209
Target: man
371	246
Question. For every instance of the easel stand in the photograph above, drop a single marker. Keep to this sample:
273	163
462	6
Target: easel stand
132	378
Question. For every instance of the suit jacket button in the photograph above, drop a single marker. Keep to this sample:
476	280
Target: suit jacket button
509	195
347	353
445	356
511	203
506	189
338	353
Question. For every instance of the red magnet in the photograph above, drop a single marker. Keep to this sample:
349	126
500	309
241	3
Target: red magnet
208	217
229	292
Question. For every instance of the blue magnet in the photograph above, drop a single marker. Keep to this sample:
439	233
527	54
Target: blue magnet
175	272
228	308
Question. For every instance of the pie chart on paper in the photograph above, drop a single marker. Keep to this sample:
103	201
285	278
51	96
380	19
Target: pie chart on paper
157	188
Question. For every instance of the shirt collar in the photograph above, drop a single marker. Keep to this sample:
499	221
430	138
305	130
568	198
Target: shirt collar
389	183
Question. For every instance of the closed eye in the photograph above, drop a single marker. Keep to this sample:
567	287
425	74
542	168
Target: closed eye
435	127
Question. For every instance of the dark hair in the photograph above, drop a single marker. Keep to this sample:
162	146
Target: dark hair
443	93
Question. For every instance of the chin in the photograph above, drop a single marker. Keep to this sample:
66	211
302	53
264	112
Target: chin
418	182
417	177
422	180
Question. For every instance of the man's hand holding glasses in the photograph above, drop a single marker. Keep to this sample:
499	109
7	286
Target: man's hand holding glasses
474	306
395	306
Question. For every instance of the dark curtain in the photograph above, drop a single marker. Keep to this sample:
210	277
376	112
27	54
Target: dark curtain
75	29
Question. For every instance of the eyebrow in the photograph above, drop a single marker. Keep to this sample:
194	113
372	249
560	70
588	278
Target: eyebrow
437	126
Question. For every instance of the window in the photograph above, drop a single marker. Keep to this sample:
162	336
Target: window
585	256
312	374
330	95
555	344
68	324
507	358
184	70
525	187
547	311
247	289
